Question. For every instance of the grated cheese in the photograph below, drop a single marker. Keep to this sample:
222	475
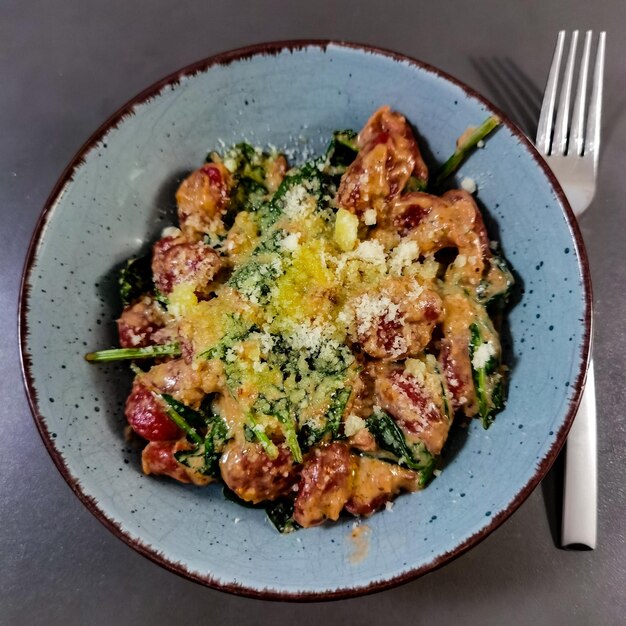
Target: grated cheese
171	231
482	355
291	242
469	185
371	251
402	256
353	425
415	368
371	310
296	202
369	217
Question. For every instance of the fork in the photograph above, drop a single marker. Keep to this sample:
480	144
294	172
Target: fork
572	151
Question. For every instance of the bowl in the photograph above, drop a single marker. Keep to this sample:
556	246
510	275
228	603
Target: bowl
116	196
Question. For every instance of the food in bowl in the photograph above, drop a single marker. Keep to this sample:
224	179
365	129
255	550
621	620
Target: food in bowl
314	330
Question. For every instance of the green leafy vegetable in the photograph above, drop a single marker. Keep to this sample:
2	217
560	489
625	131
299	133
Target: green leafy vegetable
488	381
174	408
390	438
271	211
465	148
281	410
309	435
342	150
259	433
238	329
280	513
255	280
135	279
125	354
416	184
497	283
205	455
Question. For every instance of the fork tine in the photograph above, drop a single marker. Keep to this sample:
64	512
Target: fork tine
544	128
559	145
592	140
577	139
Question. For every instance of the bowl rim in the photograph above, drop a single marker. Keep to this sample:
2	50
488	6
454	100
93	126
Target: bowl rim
226	58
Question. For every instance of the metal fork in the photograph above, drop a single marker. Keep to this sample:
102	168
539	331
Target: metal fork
572	151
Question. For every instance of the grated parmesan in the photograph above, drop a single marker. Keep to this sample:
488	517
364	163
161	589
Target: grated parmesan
291	242
402	256
370	310
482	355
296	202
415	368
353	425
468	184
171	231
369	217
371	251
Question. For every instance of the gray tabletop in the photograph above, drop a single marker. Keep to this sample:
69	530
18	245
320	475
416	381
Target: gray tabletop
64	68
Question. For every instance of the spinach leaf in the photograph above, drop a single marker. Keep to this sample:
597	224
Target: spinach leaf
271	211
497	284
310	436
390	438
281	410
255	280
205	455
135	279
342	149
488	381
280	513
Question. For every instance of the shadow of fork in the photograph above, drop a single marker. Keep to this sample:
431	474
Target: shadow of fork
512	90
506	84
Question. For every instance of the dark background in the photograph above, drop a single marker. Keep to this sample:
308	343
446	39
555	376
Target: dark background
64	68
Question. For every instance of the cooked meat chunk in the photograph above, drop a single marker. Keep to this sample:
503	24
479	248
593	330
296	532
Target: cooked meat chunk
179	379
454	354
139	323
146	415
388	156
398	319
203	199
326	482
253	476
376	483
451	221
176	260
414	407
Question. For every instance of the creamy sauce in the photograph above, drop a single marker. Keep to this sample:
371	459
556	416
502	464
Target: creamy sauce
360	538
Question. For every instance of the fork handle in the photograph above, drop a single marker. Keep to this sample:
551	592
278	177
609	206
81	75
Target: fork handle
581	482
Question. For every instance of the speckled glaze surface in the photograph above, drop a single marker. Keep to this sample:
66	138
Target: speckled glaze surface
118	194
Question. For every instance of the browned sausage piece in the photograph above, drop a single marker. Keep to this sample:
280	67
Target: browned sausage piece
146	415
454	351
203	198
414	408
253	476
326	484
175	260
452	221
139	322
388	157
376	483
398	320
177	378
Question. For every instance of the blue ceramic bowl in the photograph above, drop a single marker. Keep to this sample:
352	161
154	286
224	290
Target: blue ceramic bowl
117	194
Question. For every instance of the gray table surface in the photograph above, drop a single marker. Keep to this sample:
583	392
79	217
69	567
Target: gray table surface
64	68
